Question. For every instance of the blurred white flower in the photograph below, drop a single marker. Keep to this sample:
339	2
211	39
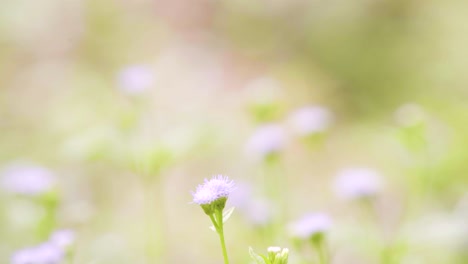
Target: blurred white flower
276	255
310	225
267	139
310	119
27	179
274	249
135	79
355	183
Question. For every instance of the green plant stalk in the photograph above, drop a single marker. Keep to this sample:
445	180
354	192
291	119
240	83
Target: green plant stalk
321	252
218	223
321	255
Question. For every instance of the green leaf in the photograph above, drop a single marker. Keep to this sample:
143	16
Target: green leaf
259	259
226	215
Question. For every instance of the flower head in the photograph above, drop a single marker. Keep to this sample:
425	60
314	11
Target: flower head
27	179
266	140
63	238
310	119
135	79
46	253
310	225
260	212
213	189
276	255
356	183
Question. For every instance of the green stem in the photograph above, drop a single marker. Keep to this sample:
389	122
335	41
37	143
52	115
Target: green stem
223	245
219	215
214	222
321	255
321	252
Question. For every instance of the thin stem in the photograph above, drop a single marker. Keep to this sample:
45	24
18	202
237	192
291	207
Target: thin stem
219	214
223	245
213	220
321	255
321	249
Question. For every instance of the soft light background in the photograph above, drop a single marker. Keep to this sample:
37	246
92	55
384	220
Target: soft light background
131	104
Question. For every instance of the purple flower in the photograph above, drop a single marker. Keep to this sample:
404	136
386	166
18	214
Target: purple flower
267	139
27	179
260	212
310	225
46	253
211	190
63	238
310	119
242	196
355	183
135	79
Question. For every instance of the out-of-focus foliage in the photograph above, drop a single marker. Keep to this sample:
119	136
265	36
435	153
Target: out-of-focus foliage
112	111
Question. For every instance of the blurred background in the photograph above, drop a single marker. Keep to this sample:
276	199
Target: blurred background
113	111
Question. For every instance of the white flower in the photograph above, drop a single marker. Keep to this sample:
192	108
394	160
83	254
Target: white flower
355	183
310	225
274	249
310	119
211	190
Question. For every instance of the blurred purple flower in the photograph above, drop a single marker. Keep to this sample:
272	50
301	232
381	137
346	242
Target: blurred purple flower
267	139
211	190
135	79
355	183
27	179
63	238
46	253
241	197
310	225
260	212
310	119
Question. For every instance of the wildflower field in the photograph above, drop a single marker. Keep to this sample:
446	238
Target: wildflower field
233	132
